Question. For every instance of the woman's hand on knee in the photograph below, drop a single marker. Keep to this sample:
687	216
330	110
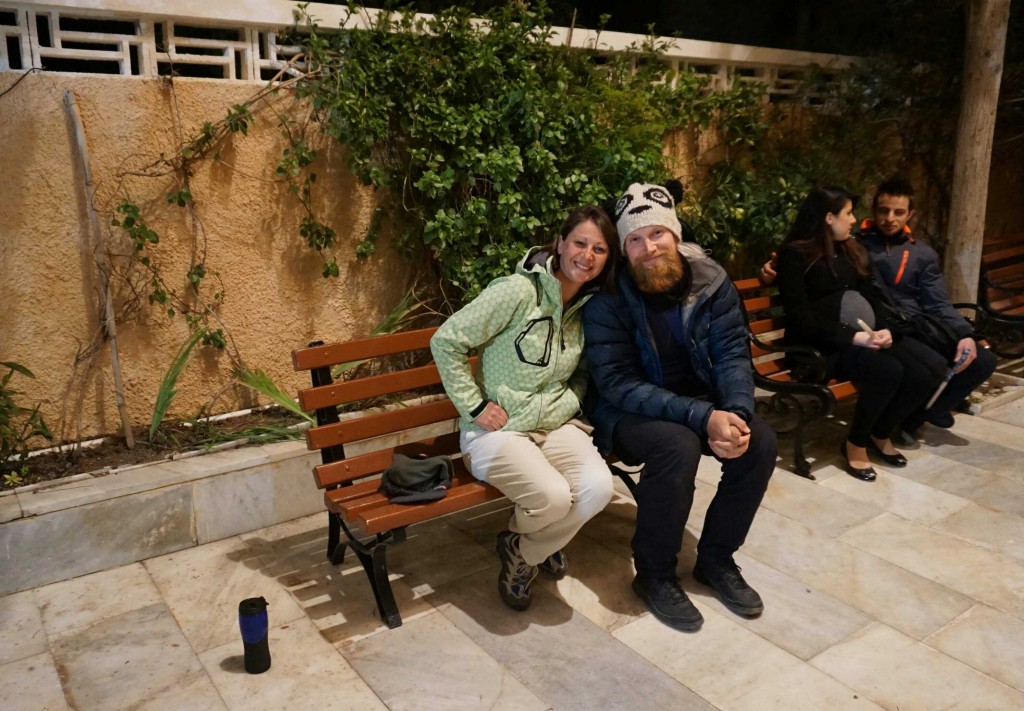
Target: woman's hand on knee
882	338
865	340
493	418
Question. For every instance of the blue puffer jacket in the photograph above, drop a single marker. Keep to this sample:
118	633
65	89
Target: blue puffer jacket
625	367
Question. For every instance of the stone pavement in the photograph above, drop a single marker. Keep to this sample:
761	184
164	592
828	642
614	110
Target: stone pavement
906	593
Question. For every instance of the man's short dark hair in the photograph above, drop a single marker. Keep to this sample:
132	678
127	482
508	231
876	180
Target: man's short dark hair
897	186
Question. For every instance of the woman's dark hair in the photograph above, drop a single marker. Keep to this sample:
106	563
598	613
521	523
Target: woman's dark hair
606	279
810	233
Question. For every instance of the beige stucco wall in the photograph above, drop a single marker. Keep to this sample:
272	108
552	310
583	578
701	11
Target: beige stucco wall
275	298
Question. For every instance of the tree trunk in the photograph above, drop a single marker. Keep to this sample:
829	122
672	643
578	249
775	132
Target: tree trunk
102	264
983	69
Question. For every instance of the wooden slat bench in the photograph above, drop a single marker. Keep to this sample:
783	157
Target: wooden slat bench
779	374
798	388
1000	308
426	424
1002	279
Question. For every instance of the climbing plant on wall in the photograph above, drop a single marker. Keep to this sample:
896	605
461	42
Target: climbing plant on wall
484	135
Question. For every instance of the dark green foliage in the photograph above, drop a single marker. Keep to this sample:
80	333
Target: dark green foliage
483	140
18	425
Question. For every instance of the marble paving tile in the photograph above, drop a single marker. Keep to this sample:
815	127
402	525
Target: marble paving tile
986	576
991	456
898	672
597	585
559	655
402	667
139	658
31	684
44	549
908	602
1000	426
432	557
820	508
1012	413
95	597
21	627
990	529
820	451
260	496
988	640
760	676
204	585
338	599
897	494
993	490
798	618
306	672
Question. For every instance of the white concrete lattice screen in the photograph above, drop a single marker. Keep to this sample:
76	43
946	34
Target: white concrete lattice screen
240	41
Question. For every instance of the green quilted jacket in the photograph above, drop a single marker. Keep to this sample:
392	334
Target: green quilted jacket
529	350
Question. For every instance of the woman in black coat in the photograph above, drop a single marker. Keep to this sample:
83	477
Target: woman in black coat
827	289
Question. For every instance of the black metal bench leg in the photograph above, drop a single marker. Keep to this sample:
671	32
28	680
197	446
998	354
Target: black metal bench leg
376	567
626	477
800	464
335	548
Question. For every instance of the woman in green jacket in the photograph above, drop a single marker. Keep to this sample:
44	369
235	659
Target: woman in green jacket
520	431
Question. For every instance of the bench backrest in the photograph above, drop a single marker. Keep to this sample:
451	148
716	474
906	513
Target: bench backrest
428	425
763	307
766	320
1002	277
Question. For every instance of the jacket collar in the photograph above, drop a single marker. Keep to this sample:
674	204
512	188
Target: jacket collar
868	226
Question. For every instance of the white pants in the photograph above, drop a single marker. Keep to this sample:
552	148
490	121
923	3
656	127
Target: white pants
556	479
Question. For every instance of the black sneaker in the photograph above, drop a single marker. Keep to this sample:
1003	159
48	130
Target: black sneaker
555	566
516	574
734	592
667	601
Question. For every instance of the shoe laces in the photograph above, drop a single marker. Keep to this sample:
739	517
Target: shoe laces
673	591
731	572
524	571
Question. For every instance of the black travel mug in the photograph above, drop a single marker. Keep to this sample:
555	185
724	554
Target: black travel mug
252	618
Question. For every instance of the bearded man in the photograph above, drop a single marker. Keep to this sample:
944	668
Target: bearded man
668	355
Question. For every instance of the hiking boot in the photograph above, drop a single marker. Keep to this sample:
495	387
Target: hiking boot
555	566
724	578
516	574
667	602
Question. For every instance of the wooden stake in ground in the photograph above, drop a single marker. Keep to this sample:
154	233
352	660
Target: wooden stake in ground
983	71
109	325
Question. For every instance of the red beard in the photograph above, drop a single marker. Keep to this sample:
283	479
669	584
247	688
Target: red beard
658	276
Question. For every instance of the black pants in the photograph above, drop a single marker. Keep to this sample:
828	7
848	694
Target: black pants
891	384
670	453
962	385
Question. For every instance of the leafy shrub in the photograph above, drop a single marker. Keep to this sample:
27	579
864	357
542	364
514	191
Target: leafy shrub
18	425
484	136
